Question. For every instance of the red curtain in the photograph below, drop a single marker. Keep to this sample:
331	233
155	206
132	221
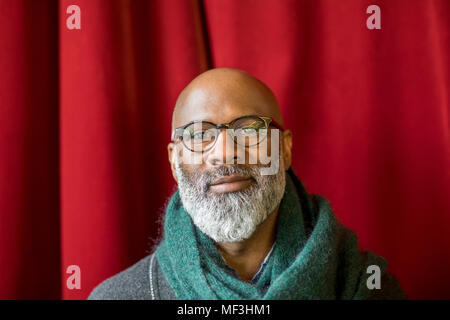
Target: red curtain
85	120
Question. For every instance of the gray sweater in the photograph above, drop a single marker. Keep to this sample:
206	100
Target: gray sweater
142	281
145	281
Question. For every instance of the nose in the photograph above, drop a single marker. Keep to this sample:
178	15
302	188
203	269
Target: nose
224	151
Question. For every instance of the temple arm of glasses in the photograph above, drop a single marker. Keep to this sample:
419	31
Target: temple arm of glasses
277	125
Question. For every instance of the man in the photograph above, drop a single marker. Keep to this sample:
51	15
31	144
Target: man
241	225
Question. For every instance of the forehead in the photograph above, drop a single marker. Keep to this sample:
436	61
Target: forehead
221	106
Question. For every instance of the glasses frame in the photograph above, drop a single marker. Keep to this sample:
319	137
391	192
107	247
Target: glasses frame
267	121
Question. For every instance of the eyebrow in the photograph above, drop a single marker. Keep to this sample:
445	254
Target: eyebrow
273	122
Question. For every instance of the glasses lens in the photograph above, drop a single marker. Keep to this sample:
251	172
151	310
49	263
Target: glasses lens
249	131
199	136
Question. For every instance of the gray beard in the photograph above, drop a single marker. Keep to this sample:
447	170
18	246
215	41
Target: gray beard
234	216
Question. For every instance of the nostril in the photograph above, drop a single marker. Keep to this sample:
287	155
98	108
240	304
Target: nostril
225	160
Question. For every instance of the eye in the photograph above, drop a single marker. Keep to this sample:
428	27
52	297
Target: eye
202	135
250	130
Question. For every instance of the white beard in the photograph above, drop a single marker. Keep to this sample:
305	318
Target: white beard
234	216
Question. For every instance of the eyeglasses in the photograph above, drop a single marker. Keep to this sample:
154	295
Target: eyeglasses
201	136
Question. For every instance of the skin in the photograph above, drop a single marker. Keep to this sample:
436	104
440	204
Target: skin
221	95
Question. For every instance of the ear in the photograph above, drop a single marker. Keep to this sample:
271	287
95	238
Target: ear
171	153
287	148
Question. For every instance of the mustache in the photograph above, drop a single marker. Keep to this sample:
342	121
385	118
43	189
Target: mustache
227	171
205	179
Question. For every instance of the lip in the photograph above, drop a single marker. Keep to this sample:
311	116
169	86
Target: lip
230	183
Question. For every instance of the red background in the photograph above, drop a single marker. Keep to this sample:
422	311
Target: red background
85	120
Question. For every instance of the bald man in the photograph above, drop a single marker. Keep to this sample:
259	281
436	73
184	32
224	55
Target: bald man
241	225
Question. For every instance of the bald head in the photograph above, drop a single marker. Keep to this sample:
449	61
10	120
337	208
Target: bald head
223	94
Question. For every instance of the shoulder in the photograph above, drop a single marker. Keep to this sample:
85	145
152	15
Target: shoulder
132	283
349	247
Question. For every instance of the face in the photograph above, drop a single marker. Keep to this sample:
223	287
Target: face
224	192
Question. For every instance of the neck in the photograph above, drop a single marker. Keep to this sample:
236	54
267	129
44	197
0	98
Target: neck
246	256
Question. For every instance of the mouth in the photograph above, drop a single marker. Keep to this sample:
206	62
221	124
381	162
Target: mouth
232	183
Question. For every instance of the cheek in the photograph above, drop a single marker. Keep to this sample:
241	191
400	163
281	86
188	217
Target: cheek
263	151
193	173
187	159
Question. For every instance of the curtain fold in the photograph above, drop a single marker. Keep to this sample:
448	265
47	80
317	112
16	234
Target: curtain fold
85	118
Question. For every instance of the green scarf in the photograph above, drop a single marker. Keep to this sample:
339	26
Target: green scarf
315	256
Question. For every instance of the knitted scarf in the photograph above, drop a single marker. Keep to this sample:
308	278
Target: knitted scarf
315	256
